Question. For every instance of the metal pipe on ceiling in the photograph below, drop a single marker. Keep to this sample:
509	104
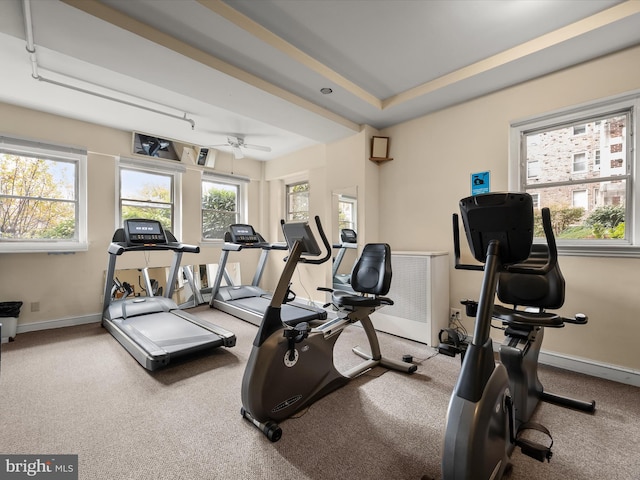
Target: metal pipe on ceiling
31	49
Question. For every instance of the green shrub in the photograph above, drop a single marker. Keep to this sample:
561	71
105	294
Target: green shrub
608	216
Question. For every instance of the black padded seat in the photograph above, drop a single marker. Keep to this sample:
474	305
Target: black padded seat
346	299
535	291
529	319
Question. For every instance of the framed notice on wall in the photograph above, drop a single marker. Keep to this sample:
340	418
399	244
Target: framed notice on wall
379	149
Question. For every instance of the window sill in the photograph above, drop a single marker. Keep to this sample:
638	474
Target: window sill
43	247
628	251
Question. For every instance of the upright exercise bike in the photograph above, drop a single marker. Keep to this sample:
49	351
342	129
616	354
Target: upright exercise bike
492	404
291	363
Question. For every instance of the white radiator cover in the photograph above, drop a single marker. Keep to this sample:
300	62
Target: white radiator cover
420	291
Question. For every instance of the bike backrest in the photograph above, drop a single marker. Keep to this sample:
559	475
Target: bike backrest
372	272
544	291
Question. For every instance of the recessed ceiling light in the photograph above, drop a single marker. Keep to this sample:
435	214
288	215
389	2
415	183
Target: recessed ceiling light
326	90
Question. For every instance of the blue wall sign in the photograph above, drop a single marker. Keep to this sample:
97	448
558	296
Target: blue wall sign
480	182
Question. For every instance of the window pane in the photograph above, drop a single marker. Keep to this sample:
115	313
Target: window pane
146	195
533	168
215	224
579	199
139	185
347	213
558	150
580	162
153	211
219	208
38	198
298	201
584	211
571	160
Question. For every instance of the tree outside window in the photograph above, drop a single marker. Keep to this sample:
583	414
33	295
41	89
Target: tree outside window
145	194
298	201
38	198
219	208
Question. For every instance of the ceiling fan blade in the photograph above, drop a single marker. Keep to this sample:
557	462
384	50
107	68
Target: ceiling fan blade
257	147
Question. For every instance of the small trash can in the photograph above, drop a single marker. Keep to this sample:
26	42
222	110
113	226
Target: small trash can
9	313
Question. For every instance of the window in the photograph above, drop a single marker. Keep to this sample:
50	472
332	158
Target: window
146	195
222	205
42	197
535	198
150	189
579	164
298	201
591	196
347	208
579	199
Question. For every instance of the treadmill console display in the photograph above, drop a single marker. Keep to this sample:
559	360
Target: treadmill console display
144	232
348	235
241	233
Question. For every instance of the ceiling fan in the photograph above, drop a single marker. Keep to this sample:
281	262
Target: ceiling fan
237	144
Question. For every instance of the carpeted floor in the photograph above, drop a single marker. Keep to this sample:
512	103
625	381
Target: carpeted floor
77	391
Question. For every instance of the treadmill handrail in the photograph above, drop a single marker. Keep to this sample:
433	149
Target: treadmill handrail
116	248
236	247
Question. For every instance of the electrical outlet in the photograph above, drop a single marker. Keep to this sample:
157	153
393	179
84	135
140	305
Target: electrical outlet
35	306
455	314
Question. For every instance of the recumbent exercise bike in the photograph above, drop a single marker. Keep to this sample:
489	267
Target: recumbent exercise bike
492	404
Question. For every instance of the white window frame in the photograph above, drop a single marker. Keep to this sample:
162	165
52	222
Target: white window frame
155	167
242	207
630	247
32	148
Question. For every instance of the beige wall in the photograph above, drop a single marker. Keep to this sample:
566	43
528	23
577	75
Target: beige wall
434	157
71	285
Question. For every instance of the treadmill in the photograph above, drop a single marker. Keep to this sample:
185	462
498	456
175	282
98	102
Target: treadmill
153	329
348	241
249	302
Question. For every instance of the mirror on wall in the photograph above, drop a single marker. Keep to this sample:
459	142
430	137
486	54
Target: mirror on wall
138	282
344	235
193	284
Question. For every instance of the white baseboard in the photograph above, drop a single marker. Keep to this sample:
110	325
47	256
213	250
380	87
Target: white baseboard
590	367
62	322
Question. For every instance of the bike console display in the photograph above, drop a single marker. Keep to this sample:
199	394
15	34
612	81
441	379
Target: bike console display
144	232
